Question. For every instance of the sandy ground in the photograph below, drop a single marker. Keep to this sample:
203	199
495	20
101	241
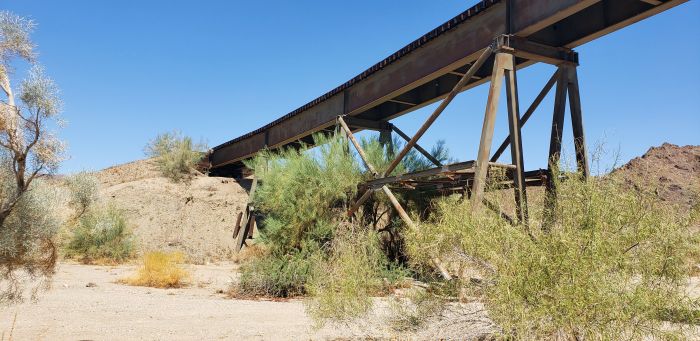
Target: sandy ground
72	310
86	303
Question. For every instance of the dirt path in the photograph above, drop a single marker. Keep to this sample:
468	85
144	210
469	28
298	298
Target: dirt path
71	310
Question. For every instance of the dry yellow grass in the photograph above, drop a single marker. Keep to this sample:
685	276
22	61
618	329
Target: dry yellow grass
160	270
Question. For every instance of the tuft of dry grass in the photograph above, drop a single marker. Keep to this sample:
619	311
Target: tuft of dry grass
250	252
160	270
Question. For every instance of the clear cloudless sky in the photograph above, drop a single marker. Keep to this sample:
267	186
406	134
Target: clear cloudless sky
214	70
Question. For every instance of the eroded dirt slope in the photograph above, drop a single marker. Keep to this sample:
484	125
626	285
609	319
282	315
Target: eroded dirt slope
195	217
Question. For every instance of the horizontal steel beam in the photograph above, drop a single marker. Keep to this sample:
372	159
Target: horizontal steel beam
426	70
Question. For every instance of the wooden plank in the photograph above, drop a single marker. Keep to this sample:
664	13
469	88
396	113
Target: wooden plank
237	227
356	206
421	174
516	145
502	61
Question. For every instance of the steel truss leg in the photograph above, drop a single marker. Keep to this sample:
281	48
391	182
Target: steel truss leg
516	145
502	61
504	66
577	123
567	83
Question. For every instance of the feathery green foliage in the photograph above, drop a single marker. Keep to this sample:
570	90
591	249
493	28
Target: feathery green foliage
176	155
83	187
311	246
27	238
342	285
101	235
302	192
611	264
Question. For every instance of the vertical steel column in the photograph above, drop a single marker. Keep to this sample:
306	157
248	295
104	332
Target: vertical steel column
501	62
516	145
577	122
555	139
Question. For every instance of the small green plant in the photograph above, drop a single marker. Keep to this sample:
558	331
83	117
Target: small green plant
101	235
176	155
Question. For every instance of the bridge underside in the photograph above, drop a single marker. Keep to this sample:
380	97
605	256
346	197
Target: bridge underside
428	69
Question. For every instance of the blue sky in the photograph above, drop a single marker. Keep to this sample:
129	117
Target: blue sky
129	70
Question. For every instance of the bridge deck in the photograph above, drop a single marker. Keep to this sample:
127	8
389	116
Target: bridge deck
425	70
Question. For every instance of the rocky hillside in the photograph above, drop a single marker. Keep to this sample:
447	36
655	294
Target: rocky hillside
196	217
672	171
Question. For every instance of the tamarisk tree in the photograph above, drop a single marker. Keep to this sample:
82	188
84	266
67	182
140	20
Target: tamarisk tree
28	150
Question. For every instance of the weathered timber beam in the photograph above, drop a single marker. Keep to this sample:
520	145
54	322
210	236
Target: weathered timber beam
421	174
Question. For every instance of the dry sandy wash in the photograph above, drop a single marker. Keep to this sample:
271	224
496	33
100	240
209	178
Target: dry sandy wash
86	303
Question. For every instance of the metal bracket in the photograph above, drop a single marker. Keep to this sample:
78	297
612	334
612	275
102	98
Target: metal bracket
527	49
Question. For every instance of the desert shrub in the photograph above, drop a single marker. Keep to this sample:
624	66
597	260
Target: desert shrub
611	264
176	155
101	235
160	270
276	275
302	193
27	239
83	188
343	284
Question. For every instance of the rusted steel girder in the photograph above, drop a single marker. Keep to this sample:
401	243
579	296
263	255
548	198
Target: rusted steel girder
428	68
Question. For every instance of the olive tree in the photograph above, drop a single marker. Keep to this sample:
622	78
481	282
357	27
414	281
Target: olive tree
28	150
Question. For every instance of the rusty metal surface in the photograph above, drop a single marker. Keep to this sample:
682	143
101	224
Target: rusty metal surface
425	70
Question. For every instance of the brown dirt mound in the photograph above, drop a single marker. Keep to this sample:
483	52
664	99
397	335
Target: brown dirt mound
672	171
194	217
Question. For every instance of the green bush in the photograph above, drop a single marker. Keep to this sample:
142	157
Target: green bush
610	265
275	275
27	241
177	156
311	246
84	189
101	235
343	284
